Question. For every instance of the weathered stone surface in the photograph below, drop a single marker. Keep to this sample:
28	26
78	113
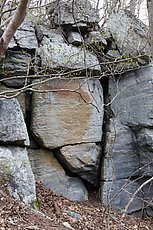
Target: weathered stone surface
130	133
54	35
146	162
97	38
25	36
83	159
74	215
72	114
145	138
47	169
75	38
117	195
145	144
16	63
130	34
12	126
12	92
66	12
16	170
115	54
134	103
121	159
12	44
148	197
57	55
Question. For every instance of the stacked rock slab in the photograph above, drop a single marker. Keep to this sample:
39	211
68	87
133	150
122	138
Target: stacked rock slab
67	112
71	114
47	169
130	33
79	14
129	150
55	54
69	118
83	159
64	113
15	169
20	53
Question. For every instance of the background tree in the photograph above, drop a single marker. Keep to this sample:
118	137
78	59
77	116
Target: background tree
150	17
12	26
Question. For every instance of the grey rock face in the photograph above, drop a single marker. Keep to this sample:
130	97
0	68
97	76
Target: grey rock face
59	55
83	160
146	162
129	148
98	39
117	194
75	38
12	44
74	215
47	169
25	36
134	103
130	34
54	35
16	170
73	12
71	114
121	159
12	126
114	54
145	138
16	64
148	197
21	98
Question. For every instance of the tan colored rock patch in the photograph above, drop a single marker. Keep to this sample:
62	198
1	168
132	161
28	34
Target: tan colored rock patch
71	113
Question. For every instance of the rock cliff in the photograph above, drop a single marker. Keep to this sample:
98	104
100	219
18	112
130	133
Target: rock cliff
76	108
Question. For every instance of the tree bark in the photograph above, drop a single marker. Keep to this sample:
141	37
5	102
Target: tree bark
133	4
150	16
14	23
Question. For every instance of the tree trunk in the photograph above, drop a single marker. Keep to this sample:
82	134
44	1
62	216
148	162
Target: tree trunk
133	4
14	23
150	16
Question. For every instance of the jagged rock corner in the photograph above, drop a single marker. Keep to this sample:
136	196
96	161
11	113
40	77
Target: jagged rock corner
85	119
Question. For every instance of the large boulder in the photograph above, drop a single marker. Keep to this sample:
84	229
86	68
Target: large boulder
130	34
129	137
12	125
16	172
78	13
56	54
72	112
83	160
47	169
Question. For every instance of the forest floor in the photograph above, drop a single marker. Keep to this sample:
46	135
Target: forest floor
57	212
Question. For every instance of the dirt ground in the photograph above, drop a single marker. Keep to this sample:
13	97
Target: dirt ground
56	212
